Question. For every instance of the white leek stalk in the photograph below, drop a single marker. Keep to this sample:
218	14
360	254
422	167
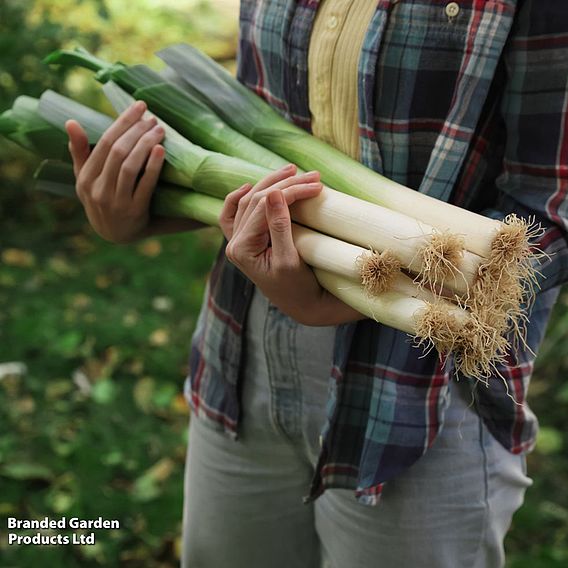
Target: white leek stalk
396	308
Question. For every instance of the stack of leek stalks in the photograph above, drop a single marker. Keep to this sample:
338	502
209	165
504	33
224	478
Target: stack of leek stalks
456	281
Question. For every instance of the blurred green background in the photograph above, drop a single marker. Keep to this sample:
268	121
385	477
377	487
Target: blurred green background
94	337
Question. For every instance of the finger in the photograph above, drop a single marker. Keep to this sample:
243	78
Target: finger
78	145
297	187
227	217
252	238
275	176
304	177
250	201
130	168
268	181
289	182
301	191
280	227
98	156
121	151
149	180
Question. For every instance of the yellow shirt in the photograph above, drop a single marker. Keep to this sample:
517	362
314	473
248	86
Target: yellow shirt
333	58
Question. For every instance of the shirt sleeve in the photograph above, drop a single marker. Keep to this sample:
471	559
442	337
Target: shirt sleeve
534	180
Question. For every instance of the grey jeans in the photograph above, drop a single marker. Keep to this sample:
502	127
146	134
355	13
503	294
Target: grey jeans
243	499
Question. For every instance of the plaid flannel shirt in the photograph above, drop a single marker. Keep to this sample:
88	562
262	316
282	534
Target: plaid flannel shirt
471	109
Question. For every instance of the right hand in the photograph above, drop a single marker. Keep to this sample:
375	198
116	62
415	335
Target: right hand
257	225
116	200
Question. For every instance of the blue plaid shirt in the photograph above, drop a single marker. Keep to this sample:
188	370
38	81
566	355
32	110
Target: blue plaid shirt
470	109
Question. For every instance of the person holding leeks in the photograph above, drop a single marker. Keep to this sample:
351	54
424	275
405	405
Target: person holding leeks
319	437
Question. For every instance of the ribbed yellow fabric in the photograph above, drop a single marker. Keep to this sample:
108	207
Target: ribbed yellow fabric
333	58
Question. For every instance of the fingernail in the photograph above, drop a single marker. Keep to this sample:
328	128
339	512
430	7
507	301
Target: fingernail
288	167
275	199
140	105
158	129
314	185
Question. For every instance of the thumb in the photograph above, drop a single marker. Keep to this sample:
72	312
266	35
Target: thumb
279	225
78	145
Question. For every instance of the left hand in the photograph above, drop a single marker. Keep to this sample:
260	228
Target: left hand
256	222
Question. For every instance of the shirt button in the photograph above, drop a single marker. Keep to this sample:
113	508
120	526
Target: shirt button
321	441
452	9
332	23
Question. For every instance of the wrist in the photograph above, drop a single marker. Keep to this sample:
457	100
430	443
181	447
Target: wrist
319	310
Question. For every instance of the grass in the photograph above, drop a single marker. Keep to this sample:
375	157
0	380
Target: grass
97	424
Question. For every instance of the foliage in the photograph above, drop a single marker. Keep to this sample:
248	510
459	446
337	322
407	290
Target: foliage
93	419
93	415
539	536
97	423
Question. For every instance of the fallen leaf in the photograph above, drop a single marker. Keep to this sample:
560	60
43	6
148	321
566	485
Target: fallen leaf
82	244
25	405
143	393
148	485
161	470
18	257
60	265
150	247
162	304
179	404
159	338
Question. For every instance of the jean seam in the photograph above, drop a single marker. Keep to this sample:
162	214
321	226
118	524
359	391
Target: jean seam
274	411
298	439
272	414
485	459
298	407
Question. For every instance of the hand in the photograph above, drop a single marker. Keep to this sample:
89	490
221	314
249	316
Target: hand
115	198
256	222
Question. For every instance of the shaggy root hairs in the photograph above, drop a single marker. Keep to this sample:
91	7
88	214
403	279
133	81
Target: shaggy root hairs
477	346
440	259
378	271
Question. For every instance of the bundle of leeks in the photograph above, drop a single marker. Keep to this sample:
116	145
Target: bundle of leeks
475	329
489	263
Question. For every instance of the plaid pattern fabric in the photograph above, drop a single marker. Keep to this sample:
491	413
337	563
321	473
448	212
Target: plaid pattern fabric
470	109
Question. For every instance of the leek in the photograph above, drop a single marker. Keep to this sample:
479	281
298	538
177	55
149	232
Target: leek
187	114
23	125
